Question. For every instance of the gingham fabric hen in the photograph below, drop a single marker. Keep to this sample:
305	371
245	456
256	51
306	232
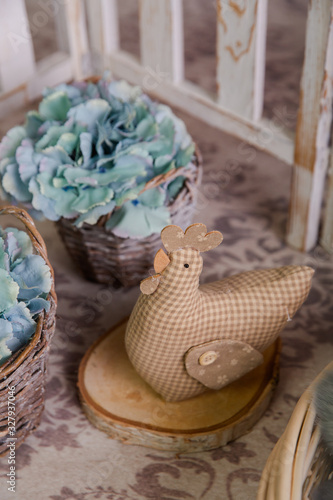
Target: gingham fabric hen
183	338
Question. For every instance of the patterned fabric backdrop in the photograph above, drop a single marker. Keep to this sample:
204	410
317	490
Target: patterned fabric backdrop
245	196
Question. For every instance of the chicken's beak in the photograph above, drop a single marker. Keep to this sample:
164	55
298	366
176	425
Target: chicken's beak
161	261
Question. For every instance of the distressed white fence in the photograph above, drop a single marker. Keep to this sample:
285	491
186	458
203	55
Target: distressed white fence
88	41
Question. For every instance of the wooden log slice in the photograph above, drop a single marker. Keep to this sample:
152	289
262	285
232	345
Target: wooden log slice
119	402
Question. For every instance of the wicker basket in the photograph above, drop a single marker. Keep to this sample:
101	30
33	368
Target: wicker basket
26	368
299	461
106	258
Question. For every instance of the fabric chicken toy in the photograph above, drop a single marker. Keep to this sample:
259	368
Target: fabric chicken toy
184	339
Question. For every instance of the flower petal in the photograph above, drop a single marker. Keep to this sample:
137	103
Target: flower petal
55	106
33	121
5	329
41	203
38	305
11	141
92	216
86	146
23	242
22	324
175	186
152	198
27	160
92	197
33	276
12	184
138	221
88	113
8	291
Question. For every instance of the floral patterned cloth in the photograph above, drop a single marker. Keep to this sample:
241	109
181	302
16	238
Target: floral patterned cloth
245	195
67	458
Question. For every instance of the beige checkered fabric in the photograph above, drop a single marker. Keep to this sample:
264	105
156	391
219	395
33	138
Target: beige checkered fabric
252	307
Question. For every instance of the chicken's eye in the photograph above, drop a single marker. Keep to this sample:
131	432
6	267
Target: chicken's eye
186	265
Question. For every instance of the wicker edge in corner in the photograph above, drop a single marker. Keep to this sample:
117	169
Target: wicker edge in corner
299	461
26	369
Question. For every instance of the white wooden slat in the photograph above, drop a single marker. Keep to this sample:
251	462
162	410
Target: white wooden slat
17	60
110	23
313	128
241	43
260	61
77	35
103	28
50	71
161	38
95	31
265	135
327	232
61	26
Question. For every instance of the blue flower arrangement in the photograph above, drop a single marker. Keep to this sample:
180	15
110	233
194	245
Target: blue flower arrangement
90	150
25	281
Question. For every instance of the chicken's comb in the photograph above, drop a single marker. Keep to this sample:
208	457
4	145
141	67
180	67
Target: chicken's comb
195	236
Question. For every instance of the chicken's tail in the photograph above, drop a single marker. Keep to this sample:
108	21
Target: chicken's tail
294	286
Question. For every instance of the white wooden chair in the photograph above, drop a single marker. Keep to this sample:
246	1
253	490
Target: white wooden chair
241	32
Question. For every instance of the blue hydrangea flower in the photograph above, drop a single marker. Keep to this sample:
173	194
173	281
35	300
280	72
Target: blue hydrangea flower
25	282
89	150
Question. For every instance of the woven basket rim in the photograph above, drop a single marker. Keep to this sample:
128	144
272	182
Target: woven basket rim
38	243
288	459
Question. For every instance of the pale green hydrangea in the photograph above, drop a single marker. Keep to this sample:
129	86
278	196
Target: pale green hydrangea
91	148
25	282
